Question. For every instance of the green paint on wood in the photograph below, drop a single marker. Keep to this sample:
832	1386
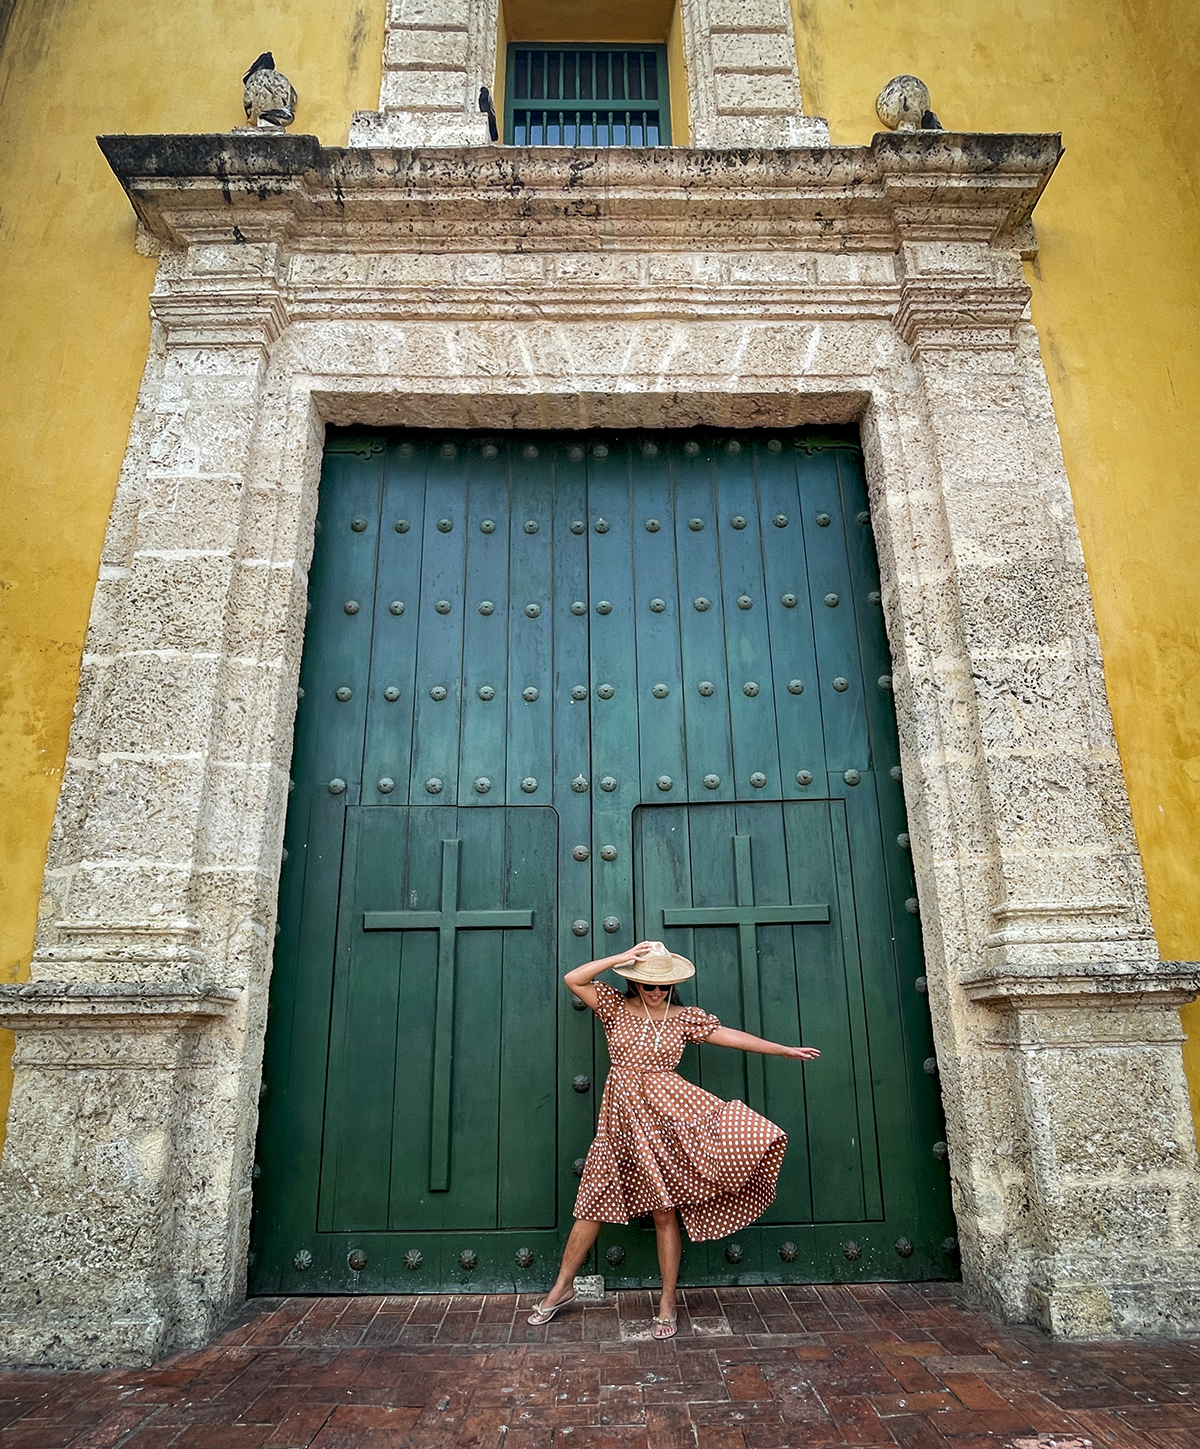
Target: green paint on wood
447	922
747	917
591	697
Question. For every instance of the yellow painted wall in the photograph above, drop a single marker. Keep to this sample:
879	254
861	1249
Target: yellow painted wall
609	21
677	77
501	67
74	324
1116	298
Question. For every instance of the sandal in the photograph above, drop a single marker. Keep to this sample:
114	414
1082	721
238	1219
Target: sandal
670	1325
541	1314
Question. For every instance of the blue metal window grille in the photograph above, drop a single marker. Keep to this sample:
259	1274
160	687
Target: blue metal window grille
598	95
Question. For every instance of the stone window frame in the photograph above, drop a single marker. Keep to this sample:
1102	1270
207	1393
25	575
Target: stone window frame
742	75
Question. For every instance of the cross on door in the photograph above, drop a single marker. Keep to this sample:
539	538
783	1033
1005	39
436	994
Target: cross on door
747	917
447	922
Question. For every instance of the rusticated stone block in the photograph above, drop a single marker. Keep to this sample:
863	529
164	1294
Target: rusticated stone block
175	600
753	95
748	16
427	14
420	91
753	52
418	49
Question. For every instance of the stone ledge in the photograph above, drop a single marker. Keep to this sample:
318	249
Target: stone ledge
1090	984
940	186
44	1005
252	317
931	307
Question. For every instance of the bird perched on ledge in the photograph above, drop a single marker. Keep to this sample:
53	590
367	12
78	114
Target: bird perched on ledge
488	107
268	96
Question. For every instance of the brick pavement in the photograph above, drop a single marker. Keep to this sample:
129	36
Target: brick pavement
752	1368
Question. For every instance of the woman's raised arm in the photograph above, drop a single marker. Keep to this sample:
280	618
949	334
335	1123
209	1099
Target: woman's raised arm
742	1041
579	981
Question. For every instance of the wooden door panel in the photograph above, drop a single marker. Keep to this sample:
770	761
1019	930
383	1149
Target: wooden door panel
709	741
746	646
389	683
485	600
614	705
528	1153
839	673
441	606
806	984
658	615
397	1048
360	1091
626	673
531	620
789	608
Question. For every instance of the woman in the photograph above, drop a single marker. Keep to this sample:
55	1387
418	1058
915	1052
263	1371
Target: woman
663	1144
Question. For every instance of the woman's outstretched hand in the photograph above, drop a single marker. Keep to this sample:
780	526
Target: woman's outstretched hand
636	953
742	1041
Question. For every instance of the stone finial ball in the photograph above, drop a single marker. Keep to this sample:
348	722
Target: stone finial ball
902	103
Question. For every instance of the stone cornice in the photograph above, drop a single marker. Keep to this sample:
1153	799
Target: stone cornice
933	313
147	949
941	186
1158	984
48	1005
249	317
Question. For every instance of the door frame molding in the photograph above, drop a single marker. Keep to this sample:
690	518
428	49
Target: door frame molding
875	285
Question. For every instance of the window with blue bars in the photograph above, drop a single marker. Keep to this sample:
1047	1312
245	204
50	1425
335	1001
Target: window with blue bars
595	95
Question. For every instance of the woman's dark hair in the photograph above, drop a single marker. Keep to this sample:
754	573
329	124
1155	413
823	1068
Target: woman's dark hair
631	993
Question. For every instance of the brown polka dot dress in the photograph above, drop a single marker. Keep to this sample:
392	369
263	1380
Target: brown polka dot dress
664	1142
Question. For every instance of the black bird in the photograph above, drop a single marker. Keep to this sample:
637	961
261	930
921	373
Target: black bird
489	109
266	61
268	96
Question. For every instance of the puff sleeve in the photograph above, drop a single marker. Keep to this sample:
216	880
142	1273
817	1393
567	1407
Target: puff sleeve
608	1002
697	1024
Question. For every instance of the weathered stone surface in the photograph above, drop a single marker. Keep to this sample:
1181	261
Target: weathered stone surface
902	103
106	1074
436	56
425	92
539	289
743	84
919	190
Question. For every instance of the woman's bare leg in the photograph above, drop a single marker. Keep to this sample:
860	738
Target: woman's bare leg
579	1244
670	1249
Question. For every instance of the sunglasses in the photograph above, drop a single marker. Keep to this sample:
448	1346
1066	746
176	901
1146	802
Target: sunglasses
644	986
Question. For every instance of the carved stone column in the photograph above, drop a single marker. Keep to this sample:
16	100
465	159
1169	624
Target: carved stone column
1071	1140
436	55
110	1086
743	83
122	1206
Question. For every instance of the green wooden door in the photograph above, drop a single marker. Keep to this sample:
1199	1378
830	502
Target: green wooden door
559	693
444	937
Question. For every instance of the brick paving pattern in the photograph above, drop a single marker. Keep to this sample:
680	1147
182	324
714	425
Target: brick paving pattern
751	1368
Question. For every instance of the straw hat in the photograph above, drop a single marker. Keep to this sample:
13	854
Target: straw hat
658	967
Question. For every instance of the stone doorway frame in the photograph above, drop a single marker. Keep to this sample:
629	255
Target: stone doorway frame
300	286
